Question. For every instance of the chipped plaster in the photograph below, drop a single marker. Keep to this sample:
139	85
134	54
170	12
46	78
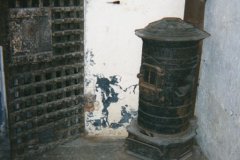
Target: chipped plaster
112	49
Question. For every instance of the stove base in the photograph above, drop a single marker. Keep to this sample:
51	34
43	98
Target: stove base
151	146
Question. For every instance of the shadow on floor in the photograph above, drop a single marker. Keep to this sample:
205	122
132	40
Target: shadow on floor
4	148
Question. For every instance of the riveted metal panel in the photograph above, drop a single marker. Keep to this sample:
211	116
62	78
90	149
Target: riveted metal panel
46	74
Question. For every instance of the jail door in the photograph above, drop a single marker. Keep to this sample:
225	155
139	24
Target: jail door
45	73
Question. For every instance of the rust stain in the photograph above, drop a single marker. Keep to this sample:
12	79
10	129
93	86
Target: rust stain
89	103
89	107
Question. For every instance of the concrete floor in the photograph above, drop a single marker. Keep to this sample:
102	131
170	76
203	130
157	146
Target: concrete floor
90	148
96	148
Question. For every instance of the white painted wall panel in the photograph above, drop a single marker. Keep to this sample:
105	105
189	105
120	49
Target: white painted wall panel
112	49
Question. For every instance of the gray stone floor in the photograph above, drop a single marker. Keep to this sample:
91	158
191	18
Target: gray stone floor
96	148
90	148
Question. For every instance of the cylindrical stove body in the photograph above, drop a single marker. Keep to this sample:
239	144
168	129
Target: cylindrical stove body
167	75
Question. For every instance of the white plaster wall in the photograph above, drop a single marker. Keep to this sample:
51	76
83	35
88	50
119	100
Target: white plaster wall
111	48
218	101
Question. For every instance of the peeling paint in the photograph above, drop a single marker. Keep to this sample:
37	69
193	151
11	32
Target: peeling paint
89	58
117	51
130	87
108	96
89	103
109	90
127	116
89	61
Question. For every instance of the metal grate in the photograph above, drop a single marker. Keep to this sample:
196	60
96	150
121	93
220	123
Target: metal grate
44	3
46	73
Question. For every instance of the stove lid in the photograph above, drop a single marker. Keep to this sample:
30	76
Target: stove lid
172	30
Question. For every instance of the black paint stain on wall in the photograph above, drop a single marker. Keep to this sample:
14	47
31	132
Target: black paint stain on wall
108	95
132	86
126	118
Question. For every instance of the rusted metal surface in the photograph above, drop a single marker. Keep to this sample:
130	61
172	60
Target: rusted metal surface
4	139
171	30
164	103
3	22
166	80
194	12
45	74
167	75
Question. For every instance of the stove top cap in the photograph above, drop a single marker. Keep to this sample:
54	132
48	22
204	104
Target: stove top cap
172	30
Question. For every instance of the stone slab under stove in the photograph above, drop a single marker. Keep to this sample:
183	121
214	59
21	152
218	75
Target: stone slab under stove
154	146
